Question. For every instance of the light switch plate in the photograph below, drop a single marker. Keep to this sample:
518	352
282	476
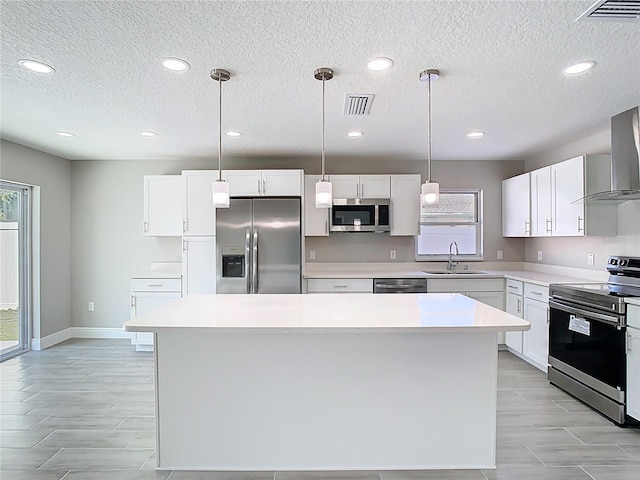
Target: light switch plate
591	259
500	255
312	254
540	255
392	254
92	306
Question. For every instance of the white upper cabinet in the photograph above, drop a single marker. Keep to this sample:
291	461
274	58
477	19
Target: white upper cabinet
570	181
405	205
361	186
516	219
162	205
316	220
256	183
541	202
199	217
556	190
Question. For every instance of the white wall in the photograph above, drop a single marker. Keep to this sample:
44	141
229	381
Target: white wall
107	208
53	175
573	251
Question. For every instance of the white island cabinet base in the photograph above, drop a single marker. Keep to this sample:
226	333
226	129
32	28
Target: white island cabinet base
407	383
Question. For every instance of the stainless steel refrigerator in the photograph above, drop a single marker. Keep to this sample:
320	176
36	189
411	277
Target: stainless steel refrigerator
259	246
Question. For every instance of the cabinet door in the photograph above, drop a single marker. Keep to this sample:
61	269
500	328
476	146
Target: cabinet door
514	307
633	372
199	215
536	340
405	205
493	299
516	214
198	265
375	186
282	182
345	186
244	183
316	220
143	303
567	185
541	202
162	205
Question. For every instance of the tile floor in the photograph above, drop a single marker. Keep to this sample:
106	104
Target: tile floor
83	410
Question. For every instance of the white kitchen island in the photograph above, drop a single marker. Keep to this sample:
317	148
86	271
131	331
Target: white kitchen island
326	382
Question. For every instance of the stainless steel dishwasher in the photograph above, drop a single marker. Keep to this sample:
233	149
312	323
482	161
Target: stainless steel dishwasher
399	285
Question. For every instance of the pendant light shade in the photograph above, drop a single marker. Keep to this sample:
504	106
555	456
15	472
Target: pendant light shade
430	192
220	188
324	197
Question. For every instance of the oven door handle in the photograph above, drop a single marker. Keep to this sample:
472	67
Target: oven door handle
612	320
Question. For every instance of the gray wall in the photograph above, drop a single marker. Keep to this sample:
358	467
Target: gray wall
107	208
53	175
573	251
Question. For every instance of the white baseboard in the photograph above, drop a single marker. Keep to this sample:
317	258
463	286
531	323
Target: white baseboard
77	332
51	340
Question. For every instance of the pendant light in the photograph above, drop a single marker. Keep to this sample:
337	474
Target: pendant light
430	192
220	188
323	187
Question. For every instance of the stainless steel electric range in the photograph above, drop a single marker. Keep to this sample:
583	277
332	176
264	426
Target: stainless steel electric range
587	338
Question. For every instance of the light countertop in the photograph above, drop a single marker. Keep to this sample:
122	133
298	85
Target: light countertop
430	312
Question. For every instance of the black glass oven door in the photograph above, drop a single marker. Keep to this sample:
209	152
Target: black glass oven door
593	346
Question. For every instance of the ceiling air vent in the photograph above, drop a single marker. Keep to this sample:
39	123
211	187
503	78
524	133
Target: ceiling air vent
613	11
357	104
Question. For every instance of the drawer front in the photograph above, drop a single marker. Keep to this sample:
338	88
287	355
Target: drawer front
156	285
458	285
515	286
337	285
536	292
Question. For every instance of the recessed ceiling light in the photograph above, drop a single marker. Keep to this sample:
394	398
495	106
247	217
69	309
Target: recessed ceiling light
175	64
355	134
148	134
66	134
234	133
378	64
475	135
579	68
35	66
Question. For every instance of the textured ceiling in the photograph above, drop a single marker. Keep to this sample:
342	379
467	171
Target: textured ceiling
501	72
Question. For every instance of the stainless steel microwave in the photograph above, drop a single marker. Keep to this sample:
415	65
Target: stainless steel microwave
360	215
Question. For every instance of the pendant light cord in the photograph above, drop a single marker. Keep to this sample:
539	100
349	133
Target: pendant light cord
429	128
220	129
323	80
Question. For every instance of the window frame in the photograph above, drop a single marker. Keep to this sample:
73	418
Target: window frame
479	223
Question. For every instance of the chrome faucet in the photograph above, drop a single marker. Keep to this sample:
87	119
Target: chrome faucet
451	265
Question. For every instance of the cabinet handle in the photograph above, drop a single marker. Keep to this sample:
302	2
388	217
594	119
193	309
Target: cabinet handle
259	186
519	306
548	315
362	190
145	226
548	225
357	190
527	227
629	342
133	301
537	293
184	225
339	286
512	286
184	245
580	229
326	226
154	284
264	187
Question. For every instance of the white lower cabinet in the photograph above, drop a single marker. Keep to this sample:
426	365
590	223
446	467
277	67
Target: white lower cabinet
148	294
199	265
535	344
340	285
515	306
633	361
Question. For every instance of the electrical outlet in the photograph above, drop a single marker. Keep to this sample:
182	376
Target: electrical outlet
92	306
540	255
591	260
392	254
312	254
500	255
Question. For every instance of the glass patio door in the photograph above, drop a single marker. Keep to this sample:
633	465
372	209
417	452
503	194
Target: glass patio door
15	261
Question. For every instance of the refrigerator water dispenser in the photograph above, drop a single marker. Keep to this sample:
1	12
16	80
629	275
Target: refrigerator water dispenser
233	261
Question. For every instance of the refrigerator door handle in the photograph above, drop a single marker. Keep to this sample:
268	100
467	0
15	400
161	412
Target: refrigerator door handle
247	253
255	262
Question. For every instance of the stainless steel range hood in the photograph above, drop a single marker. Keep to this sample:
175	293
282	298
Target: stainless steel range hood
625	159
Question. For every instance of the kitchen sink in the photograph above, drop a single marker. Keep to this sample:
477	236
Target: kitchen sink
454	272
